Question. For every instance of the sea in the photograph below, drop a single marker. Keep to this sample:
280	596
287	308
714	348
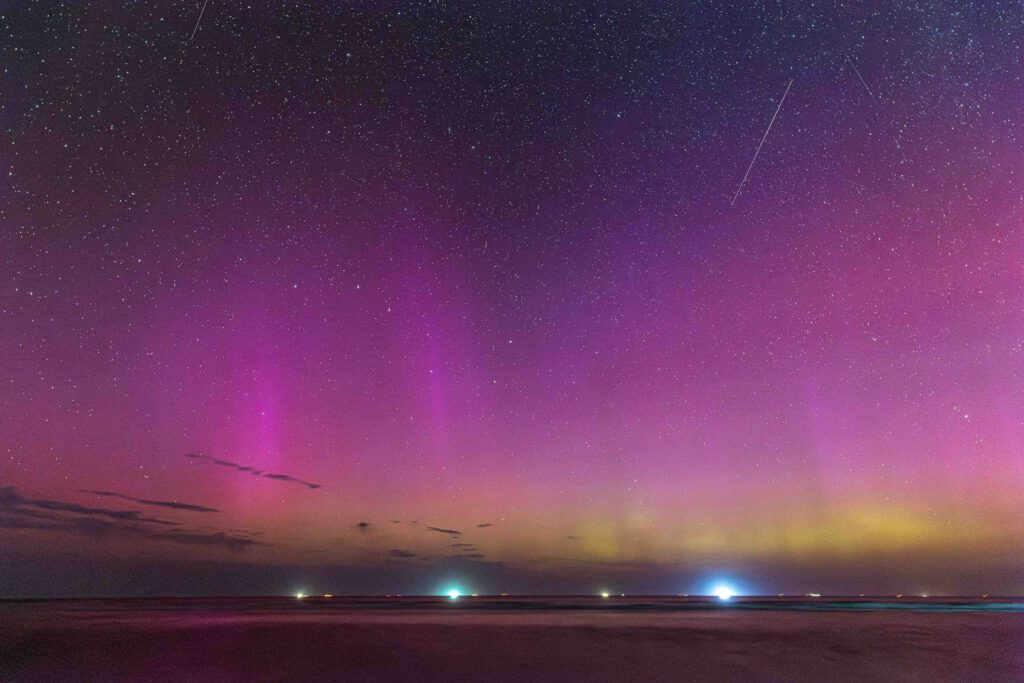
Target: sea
514	638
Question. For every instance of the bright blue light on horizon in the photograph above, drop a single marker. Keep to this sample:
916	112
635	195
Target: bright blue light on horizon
453	591
724	589
723	592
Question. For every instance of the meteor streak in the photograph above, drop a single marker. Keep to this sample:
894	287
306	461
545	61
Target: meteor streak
196	28
874	99
765	137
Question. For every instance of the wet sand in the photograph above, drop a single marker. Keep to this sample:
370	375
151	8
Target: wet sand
353	640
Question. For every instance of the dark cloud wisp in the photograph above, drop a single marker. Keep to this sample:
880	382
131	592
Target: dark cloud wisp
10	498
19	512
171	504
252	470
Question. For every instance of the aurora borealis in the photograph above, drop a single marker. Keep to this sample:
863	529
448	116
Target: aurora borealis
455	293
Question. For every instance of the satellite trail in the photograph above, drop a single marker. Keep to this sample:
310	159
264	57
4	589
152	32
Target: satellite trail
856	71
874	99
765	137
196	28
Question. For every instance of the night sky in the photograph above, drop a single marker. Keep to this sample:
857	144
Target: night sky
388	297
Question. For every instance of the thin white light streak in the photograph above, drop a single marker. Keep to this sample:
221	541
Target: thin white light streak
196	28
763	138
874	99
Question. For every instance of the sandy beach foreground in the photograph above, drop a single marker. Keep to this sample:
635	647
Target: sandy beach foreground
502	640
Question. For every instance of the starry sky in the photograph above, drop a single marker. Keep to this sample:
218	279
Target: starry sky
384	297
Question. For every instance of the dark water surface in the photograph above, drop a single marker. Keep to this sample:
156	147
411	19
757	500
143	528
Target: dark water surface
513	638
